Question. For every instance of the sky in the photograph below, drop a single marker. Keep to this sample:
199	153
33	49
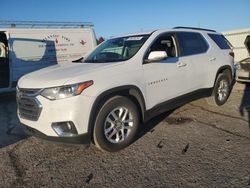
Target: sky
117	17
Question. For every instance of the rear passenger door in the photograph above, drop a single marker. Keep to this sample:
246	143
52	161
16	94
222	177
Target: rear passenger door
193	49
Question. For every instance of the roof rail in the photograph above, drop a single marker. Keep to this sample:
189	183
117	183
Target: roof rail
194	28
43	24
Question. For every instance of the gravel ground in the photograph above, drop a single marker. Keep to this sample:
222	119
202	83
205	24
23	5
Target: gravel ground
194	146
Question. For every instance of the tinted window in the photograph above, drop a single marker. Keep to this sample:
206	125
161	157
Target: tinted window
247	43
191	43
165	43
220	41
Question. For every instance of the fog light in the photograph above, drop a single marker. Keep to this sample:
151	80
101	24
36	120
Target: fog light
66	129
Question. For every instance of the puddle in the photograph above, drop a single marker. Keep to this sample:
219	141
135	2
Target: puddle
177	120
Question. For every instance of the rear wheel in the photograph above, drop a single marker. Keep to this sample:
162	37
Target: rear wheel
116	124
221	91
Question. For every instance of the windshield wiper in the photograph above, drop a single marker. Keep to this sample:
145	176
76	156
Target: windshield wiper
104	60
79	60
94	61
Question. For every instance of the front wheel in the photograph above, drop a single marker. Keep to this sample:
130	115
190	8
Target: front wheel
221	91
116	124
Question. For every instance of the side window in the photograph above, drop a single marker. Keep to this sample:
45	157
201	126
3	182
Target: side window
165	43
191	43
220	40
247	43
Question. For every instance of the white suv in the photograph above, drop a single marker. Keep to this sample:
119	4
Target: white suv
125	81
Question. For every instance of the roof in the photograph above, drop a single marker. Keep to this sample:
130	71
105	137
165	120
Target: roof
135	34
43	24
167	30
194	28
237	31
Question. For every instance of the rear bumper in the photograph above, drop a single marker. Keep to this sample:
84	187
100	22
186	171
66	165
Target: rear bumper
79	139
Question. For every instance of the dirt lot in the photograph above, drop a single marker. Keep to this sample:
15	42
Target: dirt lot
195	146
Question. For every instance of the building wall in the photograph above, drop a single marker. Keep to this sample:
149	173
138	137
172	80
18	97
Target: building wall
237	39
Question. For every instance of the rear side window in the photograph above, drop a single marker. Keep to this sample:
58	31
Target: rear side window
220	41
191	43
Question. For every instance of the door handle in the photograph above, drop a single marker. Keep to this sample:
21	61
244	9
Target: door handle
181	64
212	59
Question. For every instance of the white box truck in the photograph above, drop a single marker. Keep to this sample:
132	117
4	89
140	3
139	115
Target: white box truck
29	46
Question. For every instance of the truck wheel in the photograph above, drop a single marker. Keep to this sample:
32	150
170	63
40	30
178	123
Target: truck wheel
116	124
221	91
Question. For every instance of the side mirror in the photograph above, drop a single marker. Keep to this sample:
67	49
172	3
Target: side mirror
156	56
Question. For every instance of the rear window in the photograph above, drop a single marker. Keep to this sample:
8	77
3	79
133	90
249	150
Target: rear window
191	43
220	40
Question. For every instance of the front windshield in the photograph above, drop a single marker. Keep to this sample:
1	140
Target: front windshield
117	49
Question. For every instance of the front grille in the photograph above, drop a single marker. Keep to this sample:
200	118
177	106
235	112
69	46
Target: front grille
28	106
28	92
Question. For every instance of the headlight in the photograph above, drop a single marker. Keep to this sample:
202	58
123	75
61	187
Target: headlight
237	66
62	92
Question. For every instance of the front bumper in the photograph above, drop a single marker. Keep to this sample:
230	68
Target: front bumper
73	109
79	139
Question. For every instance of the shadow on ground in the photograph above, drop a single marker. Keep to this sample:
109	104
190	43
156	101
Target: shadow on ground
151	124
245	103
10	129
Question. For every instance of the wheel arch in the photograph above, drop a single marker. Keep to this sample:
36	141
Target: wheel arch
222	69
130	91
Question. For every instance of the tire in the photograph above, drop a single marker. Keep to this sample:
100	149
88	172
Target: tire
116	124
221	91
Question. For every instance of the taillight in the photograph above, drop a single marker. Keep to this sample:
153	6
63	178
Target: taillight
231	54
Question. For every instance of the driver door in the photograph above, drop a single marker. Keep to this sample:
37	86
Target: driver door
168	78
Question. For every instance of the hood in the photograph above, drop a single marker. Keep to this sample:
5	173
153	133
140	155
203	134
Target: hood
58	75
247	44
